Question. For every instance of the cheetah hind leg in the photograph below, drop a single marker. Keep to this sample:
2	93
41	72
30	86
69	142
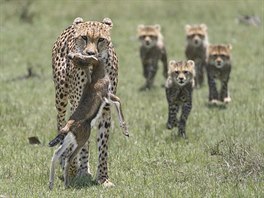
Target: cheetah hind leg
116	101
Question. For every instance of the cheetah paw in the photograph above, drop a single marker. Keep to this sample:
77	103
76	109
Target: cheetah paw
106	183
227	100
213	102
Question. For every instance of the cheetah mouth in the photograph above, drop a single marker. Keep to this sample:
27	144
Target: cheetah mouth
181	82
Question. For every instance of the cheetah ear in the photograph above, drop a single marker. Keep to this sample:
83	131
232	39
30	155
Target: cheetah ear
210	47
157	27
187	28
191	63
108	22
77	20
140	27
171	65
203	26
229	46
172	62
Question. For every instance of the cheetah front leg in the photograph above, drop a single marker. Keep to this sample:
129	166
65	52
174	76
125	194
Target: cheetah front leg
186	109
213	94
102	142
84	169
164	62
173	109
224	96
199	71
172	116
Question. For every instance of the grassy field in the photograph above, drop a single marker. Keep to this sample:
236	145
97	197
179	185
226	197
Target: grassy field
224	155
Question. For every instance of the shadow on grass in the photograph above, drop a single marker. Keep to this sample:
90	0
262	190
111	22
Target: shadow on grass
81	182
237	162
221	106
175	137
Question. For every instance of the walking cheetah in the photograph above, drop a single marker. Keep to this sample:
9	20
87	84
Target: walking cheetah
85	38
219	67
196	49
94	97
152	50
179	88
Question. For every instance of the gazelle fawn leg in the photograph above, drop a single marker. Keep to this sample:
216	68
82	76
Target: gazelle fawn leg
116	101
57	154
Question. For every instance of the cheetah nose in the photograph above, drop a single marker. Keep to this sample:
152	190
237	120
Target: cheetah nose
90	53
181	78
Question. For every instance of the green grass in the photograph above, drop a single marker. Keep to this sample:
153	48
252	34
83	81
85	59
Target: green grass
224	154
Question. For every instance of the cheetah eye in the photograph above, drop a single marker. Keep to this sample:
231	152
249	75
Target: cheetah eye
153	37
85	38
200	35
177	72
100	40
223	56
185	72
214	56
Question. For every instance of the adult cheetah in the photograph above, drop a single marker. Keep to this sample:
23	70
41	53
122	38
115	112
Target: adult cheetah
84	37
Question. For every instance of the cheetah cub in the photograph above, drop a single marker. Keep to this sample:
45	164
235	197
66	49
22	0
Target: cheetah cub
196	49
95	97
219	67
152	50
179	88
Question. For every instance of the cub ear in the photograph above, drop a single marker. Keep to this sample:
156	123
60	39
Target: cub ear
172	62
140	27
210	48
229	46
171	65
190	63
108	22
157	27
203	26
187	27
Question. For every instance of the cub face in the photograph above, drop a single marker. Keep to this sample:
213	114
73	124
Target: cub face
149	35
181	72
92	38
196	35
219	55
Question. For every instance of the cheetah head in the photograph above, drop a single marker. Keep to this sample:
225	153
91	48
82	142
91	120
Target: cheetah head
219	55
92	39
196	35
148	35
181	72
